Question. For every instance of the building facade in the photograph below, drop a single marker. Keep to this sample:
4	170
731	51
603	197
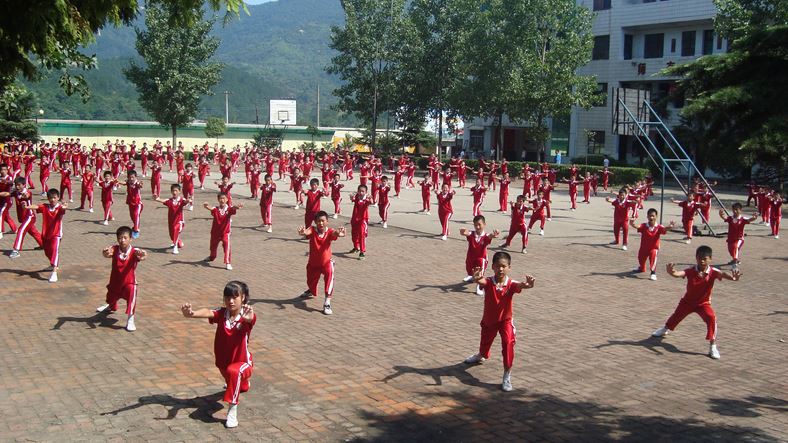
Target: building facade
481	136
633	41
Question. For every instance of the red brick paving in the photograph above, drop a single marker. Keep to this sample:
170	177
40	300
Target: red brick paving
387	365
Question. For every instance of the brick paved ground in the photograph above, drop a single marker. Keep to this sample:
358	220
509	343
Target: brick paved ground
387	366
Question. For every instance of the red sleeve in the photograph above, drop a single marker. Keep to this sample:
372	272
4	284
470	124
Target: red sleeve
232	210
663	230
514	287
216	316
642	228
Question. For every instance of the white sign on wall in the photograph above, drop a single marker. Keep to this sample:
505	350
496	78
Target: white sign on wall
282	112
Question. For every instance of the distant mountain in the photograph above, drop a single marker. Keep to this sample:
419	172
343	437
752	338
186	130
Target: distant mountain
278	51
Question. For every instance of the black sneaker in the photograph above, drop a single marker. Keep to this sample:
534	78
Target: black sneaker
353	251
307	294
361	256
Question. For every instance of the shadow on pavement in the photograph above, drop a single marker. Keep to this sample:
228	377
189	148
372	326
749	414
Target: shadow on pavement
455	288
32	274
204	406
653	344
747	407
100	319
297	302
458	371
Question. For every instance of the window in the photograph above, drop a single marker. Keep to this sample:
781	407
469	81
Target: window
601	5
688	43
601	48
601	95
596	142
655	45
476	140
672	45
719	43
708	41
627	46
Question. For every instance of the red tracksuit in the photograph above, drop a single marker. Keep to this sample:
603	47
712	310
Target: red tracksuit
477	251
503	194
736	235
155	179
688	209
134	201
221	228
649	245
384	203
187	182
425	195
621	219
227	189
573	192
478	198
65	183
6	184
231	352
517	225
88	179
320	262
106	197
445	210
497	318
775	215
697	299
336	196
266	202
254	181
539	206
175	222
52	230
312	205
359	221
27	219
123	279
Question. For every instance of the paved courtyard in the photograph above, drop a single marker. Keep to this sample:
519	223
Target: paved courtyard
387	366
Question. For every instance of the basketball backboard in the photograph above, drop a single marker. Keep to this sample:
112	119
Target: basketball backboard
282	112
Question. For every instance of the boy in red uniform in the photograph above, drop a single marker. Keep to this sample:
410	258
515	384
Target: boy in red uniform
688	209
297	185
65	180
134	201
776	212
225	187
517	225
445	210
736	224
697	298
155	179
221	227
478	240
123	277
384	203
503	194
320	263
359	221
499	293
621	208
88	181
426	187
234	323
649	242
6	185
267	201
538	206
478	191
107	185
312	204
175	222
24	214
336	194
187	180
573	182
52	229
546	187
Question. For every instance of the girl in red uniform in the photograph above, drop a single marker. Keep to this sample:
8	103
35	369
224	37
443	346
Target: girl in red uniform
426	186
359	221
499	291
175	222
86	193
736	224
52	229
267	201
478	191
478	240
649	242
320	263
221	227
445	210
517	225
234	323
336	194
123	277
107	185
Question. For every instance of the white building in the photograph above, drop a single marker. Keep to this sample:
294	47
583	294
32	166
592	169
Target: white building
633	40
481	135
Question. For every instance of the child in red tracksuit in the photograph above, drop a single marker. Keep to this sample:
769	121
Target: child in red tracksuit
517	225
52	229
123	278
221	228
573	182
336	194
697	298
359	221
187	181
312	203
776	212
649	242
499	293
538	207
234	323
6	185
503	194
107	185
736	224
426	189
226	188
134	201
24	214
267	201
445	210
86	193
320	263
478	191
155	179
384	203
621	208
478	240
175	223
65	180
688	209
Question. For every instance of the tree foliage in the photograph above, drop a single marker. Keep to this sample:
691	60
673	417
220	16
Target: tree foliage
214	127
49	35
178	68
17	107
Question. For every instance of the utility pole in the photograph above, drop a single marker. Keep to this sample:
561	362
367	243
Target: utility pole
256	115
226	107
318	105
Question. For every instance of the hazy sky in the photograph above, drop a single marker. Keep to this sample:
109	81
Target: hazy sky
257	2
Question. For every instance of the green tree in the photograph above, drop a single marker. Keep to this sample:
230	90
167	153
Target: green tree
368	58
521	60
17	106
177	70
735	99
214	127
313	132
49	35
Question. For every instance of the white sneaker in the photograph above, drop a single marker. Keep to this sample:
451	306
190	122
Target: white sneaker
468	279
385	225
191	207
103	307
713	352
269	229
443	237
53	277
229	267
1	235
90	210
105	223
541	232
549	218
624	247
14	254
335	216
327	310
479	291
232	417
130	324
175	250
776	236
506	384
428	212
71	200
661	332
475	358
573	209
525	250
689	240
295	207
653	276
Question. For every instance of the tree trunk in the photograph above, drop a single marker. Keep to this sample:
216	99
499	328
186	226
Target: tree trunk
440	133
499	142
174	132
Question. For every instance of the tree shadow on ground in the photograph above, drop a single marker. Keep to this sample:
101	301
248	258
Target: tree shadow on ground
100	319
432	236
622	274
653	344
32	274
201	263
458	371
204	406
99	232
773	313
776	258
593	245
297	302
747	407
460	287
536	417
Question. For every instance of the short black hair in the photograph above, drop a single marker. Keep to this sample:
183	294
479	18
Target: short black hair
314	181
319	214
479	218
736	205
20	181
652	210
703	251
107	172
131	172
52	192
235	288
221	194
362	186
502	255
123	230
175	186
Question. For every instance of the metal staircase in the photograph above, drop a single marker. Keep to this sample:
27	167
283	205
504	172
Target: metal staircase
645	125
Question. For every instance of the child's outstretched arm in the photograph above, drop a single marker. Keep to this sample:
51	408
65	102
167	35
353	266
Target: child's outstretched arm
722	215
141	254
303	231
341	231
528	283
672	271
734	275
465	232
478	276
188	312
495	233
632	222
107	252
